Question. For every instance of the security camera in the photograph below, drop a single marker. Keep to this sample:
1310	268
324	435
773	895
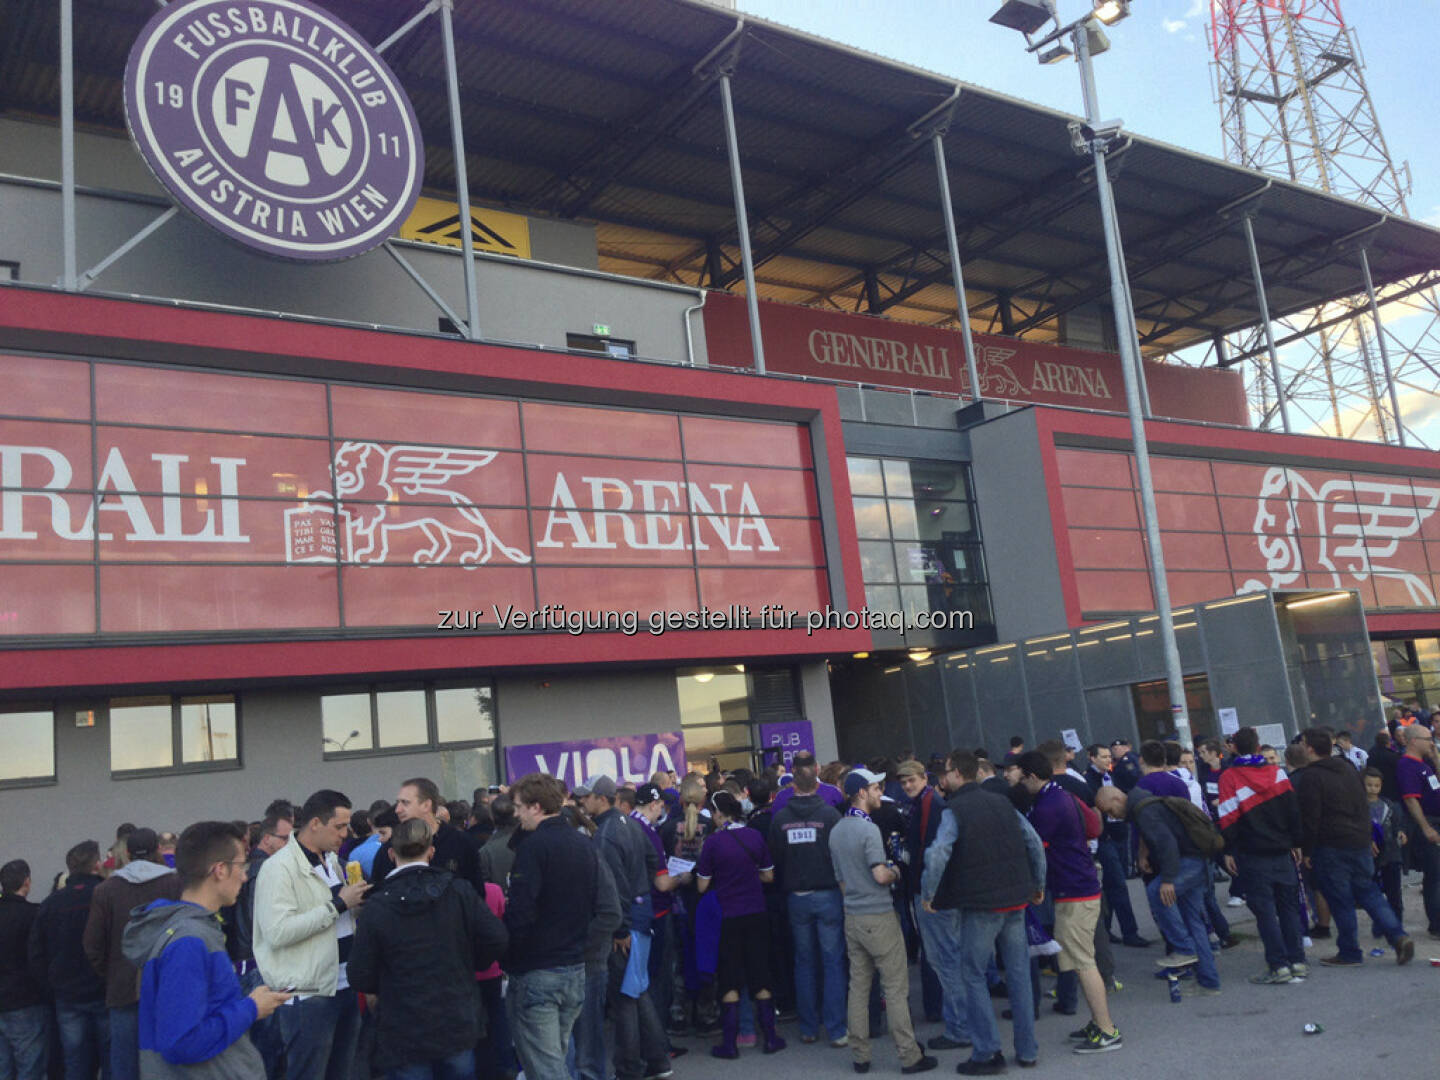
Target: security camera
1084	135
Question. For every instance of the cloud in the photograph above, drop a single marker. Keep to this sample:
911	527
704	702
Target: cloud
1173	26
1197	8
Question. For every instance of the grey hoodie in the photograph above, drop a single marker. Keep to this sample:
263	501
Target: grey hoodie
194	1018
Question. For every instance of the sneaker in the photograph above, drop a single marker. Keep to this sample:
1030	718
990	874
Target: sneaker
991	1066
1116	985
1136	942
1274	977
944	1042
1027	1063
1404	950
663	1074
1178	960
747	1040
861	1067
1299	971
1319	933
1083	1035
1235	901
1100	1042
840	1041
925	1064
808	1039
1339	961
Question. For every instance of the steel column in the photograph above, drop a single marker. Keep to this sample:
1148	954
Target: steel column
962	306
742	224
1384	352
67	141
462	180
1265	321
1128	340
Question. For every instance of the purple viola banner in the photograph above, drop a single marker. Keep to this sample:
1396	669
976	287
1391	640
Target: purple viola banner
788	739
623	758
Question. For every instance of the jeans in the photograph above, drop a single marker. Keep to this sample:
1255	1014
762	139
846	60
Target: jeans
320	1035
459	1067
543	1007
944	941
662	966
265	1034
1272	892
1213	915
495	1053
1389	876
84	1038
981	933
1112	874
1427	858
640	1047
589	1053
1346	878
125	1043
1184	924
817	925
24	1040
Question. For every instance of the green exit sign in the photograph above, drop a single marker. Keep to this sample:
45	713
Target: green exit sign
600	330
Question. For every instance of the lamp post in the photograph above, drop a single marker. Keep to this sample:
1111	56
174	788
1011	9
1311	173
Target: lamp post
1093	138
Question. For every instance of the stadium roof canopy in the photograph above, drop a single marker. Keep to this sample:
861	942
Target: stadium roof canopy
608	113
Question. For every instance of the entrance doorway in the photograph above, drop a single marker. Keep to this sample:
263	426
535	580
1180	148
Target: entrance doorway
1152	708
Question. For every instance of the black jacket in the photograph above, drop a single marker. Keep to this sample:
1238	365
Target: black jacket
455	851
1164	833
1334	811
421	938
18	987
988	868
240	920
1076	786
1018	796
800	843
1385	758
553	898
57	945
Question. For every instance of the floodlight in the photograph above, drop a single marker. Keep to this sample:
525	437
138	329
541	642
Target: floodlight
1110	12
1055	55
1096	40
1027	16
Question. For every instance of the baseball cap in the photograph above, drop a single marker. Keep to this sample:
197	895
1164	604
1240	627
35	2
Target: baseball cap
861	778
603	786
645	794
910	767
142	843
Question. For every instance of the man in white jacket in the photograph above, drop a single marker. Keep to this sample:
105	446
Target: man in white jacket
304	926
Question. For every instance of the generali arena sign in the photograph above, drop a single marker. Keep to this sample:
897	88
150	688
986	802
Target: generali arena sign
287	503
276	124
884	352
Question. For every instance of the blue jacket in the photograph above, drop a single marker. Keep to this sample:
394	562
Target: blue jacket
193	1015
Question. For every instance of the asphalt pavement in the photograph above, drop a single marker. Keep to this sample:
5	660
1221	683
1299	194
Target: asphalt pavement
1374	1019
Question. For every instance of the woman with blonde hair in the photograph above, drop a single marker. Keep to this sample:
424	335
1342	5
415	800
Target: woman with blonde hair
683	835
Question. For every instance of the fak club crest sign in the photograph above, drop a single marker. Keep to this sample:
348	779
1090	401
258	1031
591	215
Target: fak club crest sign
273	122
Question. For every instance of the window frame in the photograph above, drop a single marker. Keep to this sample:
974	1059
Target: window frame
10	708
177	766
432	743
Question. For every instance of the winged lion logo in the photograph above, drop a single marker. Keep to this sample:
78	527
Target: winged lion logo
371	480
1359	523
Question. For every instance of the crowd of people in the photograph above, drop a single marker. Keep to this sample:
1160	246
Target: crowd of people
577	934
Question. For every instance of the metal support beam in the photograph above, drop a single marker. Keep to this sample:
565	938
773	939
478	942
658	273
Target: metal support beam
742	223
83	282
872	290
963	308
1384	352
425	286
409	24
1127	339
462	179
67	141
1265	321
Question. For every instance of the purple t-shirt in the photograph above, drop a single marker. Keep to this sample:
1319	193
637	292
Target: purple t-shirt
1416	780
1163	784
831	794
732	859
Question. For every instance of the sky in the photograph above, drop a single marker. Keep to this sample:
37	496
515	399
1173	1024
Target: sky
1156	76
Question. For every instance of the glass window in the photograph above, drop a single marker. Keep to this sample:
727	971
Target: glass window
28	736
903	523
865	476
141	734
345	722
870	520
714	713
207	729
464	714
876	561
401	717
897	478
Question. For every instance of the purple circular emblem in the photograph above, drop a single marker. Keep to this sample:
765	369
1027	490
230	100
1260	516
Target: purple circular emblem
273	122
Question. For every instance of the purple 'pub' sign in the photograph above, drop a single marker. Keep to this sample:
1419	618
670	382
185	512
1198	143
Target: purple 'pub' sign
275	123
788	739
623	758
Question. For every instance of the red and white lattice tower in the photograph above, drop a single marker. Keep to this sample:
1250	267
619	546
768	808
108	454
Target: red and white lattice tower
1290	83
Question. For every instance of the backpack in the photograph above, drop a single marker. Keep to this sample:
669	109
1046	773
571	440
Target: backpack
1198	826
